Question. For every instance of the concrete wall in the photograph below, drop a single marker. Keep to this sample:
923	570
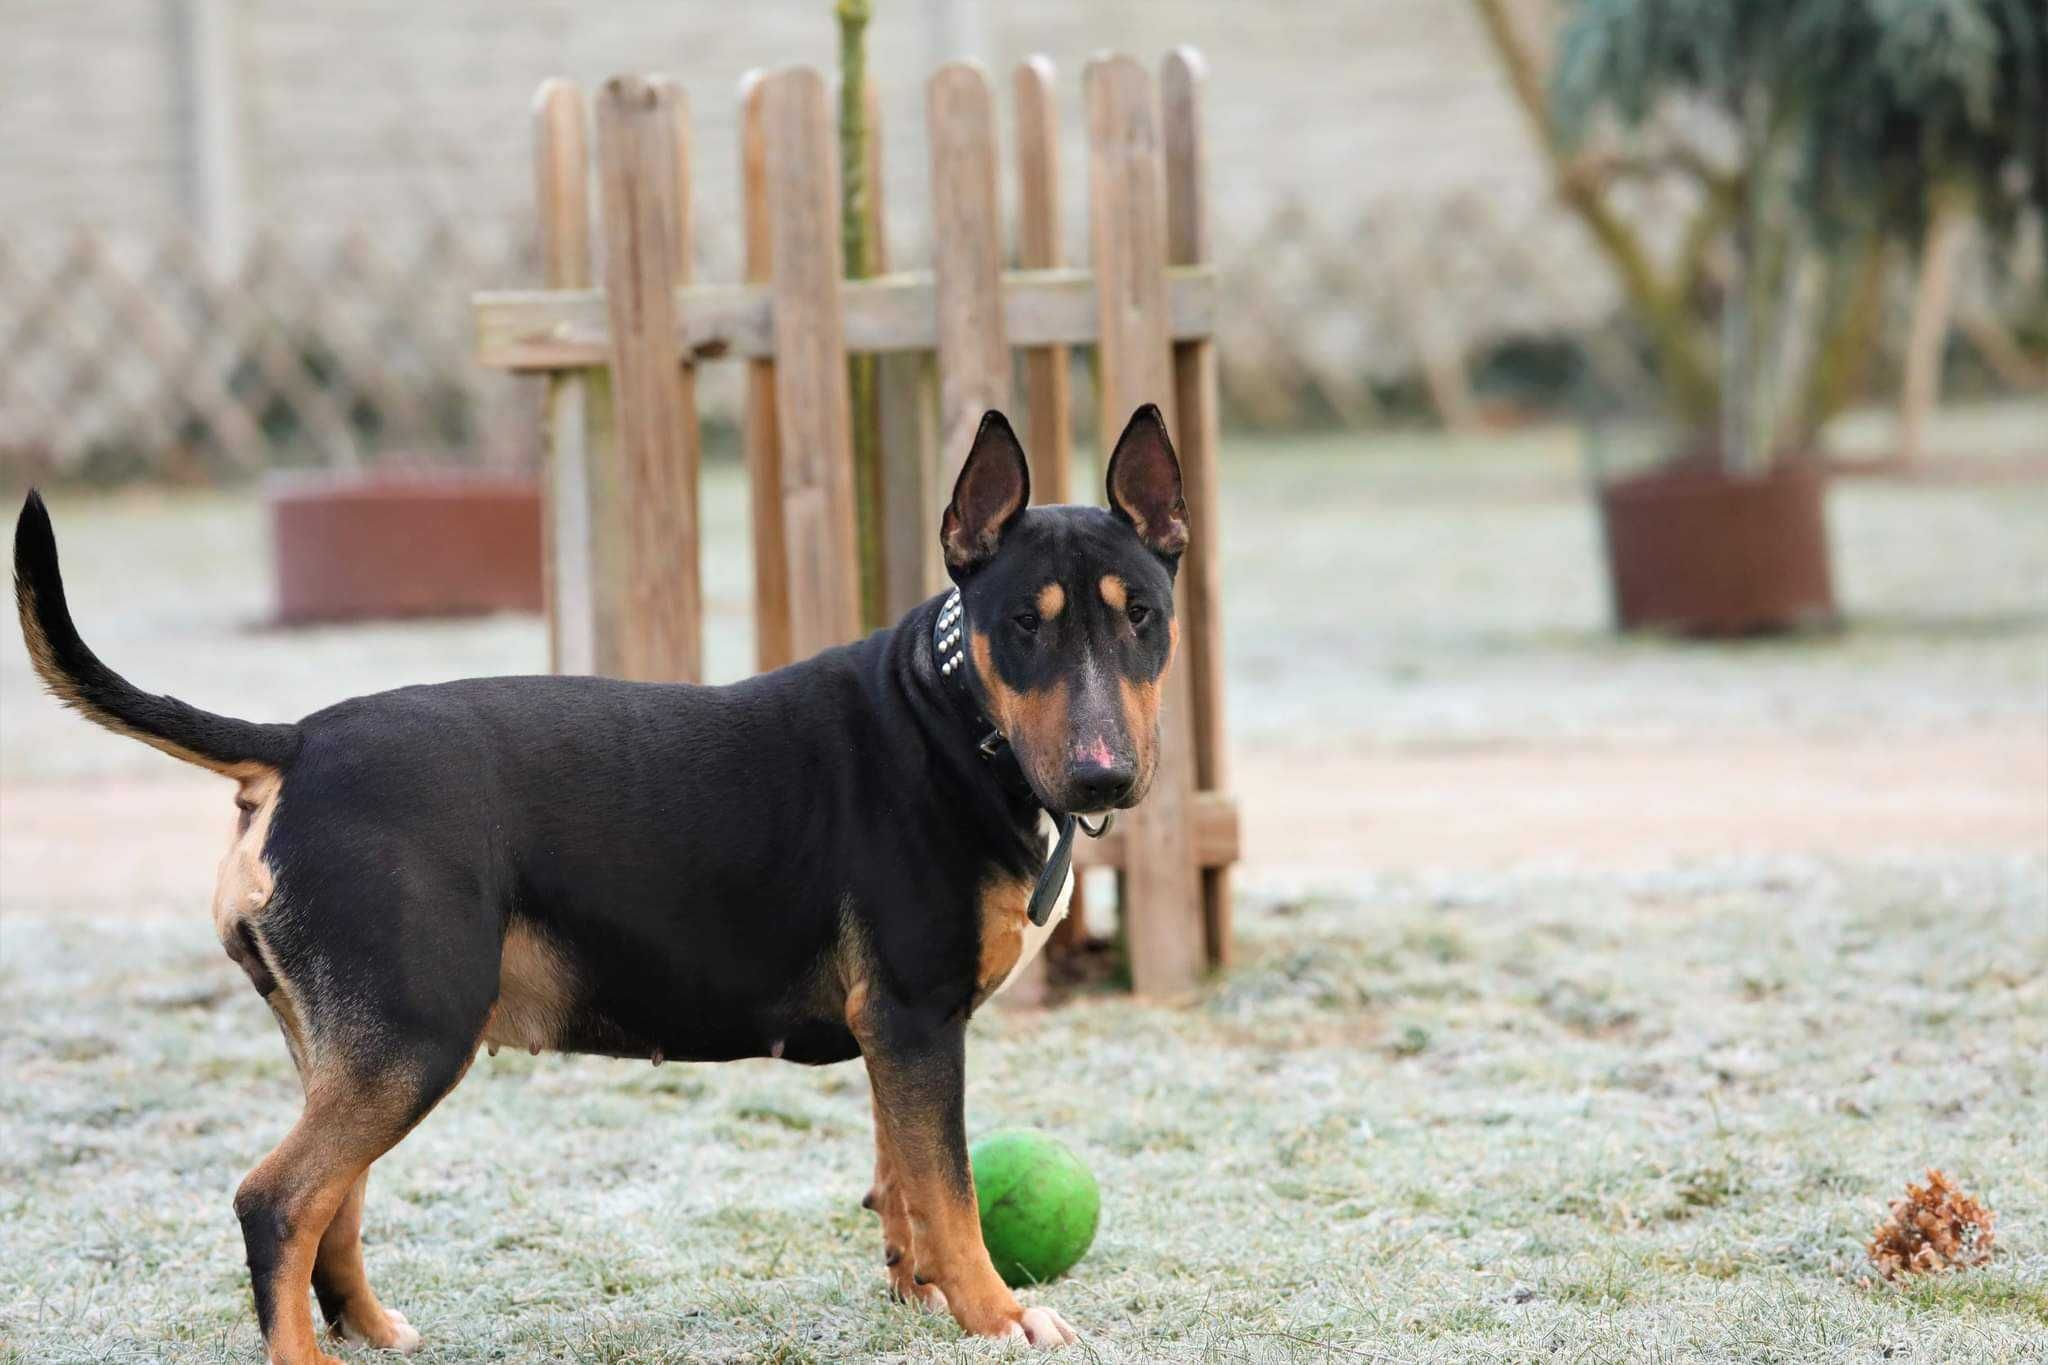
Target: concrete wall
400	113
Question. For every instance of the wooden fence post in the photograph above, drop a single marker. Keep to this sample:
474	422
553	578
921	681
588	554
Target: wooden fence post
907	404
576	407
1200	588
813	407
1127	211
967	258
652	496
1049	439
759	438
1048	402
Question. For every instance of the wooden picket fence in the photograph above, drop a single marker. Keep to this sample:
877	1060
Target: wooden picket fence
620	362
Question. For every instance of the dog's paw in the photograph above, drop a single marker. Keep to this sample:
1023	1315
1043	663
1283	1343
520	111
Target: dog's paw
929	1297
1041	1329
393	1334
904	1288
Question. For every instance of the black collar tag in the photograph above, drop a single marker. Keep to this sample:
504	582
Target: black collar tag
1054	879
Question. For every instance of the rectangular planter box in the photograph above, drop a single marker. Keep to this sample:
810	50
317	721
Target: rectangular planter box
353	547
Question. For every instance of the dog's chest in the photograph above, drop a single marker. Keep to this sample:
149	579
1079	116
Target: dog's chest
1009	940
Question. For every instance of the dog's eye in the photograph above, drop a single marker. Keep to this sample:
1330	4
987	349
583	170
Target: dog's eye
1027	621
1138	612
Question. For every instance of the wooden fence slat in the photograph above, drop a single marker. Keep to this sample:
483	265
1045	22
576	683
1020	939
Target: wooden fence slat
681	543
812	399
1200	586
906	399
561	188
967	257
1127	212
660	631
538	329
759	438
1048	400
1049	439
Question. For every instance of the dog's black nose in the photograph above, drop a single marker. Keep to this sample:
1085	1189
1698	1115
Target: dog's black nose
1099	786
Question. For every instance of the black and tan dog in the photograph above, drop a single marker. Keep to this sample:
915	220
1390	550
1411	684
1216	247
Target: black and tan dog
841	858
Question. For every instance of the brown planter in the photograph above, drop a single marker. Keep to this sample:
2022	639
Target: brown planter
1695	549
353	547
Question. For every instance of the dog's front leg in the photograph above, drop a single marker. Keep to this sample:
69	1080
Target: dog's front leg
885	1197
919	1074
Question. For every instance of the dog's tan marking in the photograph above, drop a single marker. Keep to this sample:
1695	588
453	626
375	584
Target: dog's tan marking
341	1279
945	1237
1052	600
1141	712
537	988
284	1003
242	893
886	1198
887	1195
307	1183
246	881
1035	723
1114	592
1005	904
945	1249
1009	940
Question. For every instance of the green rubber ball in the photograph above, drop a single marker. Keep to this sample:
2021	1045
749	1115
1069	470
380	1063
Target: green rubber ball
1039	1204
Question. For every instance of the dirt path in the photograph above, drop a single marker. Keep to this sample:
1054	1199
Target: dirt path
1647	806
142	846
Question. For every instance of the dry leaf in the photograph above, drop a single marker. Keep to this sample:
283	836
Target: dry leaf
1933	1227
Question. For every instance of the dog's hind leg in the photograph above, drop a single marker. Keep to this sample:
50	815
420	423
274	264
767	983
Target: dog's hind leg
301	1208
381	965
341	1284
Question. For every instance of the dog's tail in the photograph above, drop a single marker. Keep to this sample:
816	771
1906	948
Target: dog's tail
235	748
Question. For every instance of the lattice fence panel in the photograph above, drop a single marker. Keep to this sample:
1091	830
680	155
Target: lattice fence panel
128	357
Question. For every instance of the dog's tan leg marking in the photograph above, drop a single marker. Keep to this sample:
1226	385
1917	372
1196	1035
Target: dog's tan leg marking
294	1195
946	1246
305	1198
886	1199
885	1196
342	1284
924	1153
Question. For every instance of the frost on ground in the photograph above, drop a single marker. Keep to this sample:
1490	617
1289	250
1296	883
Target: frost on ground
1503	1118
1559	1112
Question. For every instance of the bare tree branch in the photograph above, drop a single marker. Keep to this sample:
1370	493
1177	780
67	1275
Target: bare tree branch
1686	367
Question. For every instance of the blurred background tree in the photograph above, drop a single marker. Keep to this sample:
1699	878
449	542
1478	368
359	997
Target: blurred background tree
1819	134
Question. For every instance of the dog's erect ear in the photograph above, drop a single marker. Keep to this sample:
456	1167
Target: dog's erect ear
1144	484
992	491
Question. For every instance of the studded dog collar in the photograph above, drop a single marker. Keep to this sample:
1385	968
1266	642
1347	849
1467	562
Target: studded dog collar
949	653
